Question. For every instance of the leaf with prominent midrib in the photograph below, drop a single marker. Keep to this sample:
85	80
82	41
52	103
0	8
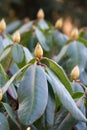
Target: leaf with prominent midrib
32	95
65	97
57	69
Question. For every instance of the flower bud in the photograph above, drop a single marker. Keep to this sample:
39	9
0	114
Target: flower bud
28	128
74	34
59	23
33	28
40	14
75	73
86	91
38	52
1	95
16	37
2	25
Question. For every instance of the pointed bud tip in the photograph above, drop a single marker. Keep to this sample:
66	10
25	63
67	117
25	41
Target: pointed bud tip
59	23
28	128
2	25
38	52
16	37
40	14
75	72
74	34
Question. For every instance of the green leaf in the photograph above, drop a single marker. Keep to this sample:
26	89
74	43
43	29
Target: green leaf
12	92
3	122
50	109
10	113
66	98
59	38
32	95
59	117
77	55
57	69
2	80
47	120
17	53
5	53
26	27
2	71
27	54
41	38
42	24
82	40
8	84
61	53
11	27
68	122
77	95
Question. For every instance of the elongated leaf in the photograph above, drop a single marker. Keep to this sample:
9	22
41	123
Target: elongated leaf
57	69
61	53
27	54
7	42
41	38
82	40
12	92
2	80
7	85
10	113
42	24
17	53
13	26
59	117
2	71
50	109
47	120
77	95
5	53
32	95
66	98
69	122
59	38
3	122
25	27
81	126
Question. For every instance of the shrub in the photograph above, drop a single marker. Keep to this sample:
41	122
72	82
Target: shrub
42	92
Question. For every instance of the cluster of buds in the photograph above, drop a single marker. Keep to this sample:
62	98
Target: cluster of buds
40	14
38	52
59	23
74	34
16	37
2	26
75	73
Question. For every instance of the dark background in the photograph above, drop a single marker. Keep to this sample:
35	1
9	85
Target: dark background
76	10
